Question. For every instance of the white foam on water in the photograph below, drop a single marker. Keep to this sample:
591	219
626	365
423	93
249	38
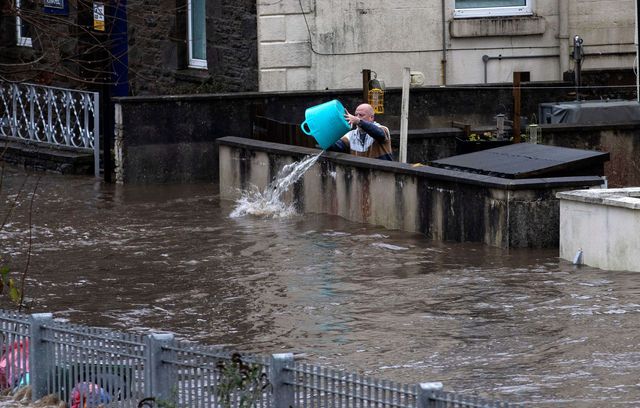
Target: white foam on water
268	202
389	246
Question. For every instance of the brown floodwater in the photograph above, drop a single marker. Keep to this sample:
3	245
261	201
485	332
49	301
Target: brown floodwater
517	325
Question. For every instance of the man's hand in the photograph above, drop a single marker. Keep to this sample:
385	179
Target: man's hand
353	120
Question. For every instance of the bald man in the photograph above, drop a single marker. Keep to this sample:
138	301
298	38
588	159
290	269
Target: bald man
368	139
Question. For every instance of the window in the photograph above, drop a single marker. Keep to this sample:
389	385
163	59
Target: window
197	34
492	8
23	30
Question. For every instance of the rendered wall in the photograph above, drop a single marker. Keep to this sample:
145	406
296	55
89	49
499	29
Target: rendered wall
444	205
340	38
604	224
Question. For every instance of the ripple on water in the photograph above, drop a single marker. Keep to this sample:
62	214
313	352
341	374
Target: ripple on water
515	325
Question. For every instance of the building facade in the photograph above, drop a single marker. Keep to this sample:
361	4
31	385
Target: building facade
325	44
156	47
165	47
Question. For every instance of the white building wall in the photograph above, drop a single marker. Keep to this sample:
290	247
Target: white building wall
340	38
604	225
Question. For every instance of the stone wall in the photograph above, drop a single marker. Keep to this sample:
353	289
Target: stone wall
151	121
622	141
157	49
158	54
232	50
444	205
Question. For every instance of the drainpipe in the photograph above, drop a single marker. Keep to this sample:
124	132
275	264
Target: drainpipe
487	58
637	40
443	62
563	36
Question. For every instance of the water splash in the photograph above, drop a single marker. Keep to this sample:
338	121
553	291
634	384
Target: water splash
268	203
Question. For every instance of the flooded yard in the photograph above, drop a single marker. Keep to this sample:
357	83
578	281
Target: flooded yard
518	325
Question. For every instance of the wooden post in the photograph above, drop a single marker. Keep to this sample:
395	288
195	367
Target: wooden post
404	114
515	129
366	77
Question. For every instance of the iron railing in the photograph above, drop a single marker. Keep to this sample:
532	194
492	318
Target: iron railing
56	116
97	366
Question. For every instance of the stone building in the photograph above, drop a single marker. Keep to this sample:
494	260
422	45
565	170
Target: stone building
155	46
196	46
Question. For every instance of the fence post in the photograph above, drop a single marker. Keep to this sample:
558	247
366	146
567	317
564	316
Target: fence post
38	355
281	380
158	382
425	394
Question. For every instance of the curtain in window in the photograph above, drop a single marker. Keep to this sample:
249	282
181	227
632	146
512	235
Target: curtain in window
198	33
462	4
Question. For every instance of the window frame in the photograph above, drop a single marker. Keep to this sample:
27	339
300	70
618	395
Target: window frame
21	41
198	63
506	11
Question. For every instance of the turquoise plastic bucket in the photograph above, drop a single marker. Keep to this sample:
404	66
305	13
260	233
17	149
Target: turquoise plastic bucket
326	123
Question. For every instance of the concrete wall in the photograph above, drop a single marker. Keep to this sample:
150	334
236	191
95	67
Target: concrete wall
151	125
325	44
444	205
604	224
622	141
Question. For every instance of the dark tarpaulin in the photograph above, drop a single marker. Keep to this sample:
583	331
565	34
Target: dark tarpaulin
590	112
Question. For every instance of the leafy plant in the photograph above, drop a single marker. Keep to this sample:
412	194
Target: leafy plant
240	381
8	286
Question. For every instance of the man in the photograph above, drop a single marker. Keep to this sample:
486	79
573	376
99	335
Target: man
368	139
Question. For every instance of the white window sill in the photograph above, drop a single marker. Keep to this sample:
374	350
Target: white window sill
24	42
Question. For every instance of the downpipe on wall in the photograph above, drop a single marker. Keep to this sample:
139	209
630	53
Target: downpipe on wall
443	62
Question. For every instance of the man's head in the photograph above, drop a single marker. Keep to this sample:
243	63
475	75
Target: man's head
365	112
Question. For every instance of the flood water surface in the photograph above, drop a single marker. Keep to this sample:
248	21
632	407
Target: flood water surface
519	325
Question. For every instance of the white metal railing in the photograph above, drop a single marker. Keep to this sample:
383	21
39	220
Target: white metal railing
57	116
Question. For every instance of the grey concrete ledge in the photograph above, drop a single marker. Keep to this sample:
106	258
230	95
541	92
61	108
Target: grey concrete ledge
334	93
46	156
42	147
422	171
613	197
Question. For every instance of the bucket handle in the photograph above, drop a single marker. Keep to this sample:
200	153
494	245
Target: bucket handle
307	131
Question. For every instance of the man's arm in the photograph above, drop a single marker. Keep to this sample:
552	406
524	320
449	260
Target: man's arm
339	146
373	130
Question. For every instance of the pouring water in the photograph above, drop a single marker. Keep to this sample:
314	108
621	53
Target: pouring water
268	202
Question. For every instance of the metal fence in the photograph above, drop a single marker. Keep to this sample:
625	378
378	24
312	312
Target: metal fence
56	116
92	366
